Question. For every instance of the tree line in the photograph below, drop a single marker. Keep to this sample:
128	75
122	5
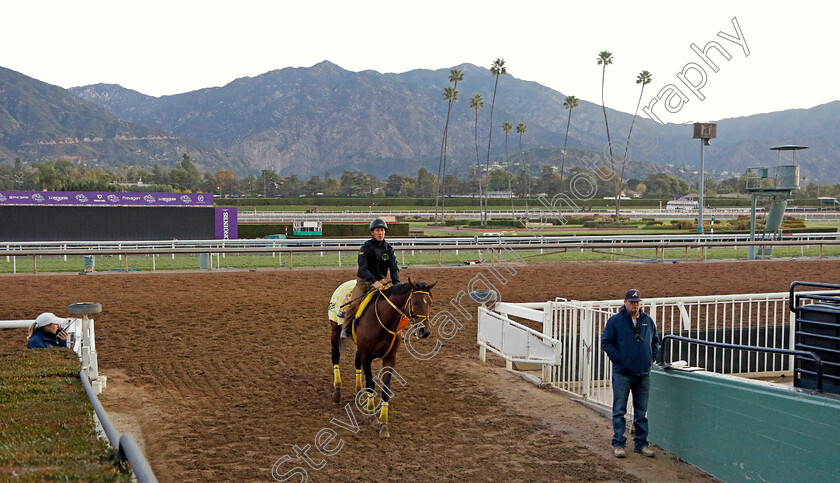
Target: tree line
64	175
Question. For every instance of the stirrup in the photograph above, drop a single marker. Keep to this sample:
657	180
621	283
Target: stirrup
345	331
341	314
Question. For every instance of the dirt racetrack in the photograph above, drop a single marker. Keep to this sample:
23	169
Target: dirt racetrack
220	374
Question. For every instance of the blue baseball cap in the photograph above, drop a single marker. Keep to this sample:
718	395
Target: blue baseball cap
633	295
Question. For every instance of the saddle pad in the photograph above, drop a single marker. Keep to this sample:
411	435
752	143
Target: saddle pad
340	297
365	303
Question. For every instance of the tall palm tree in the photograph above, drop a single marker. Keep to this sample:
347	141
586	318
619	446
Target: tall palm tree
605	58
521	129
644	78
476	102
450	94
507	128
570	103
455	76
497	69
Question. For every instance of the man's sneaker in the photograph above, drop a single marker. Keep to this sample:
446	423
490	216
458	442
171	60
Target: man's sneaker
345	331
646	451
619	452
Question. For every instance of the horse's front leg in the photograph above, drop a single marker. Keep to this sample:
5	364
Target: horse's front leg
335	339
388	367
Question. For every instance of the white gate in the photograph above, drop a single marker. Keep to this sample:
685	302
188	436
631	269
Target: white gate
572	329
513	341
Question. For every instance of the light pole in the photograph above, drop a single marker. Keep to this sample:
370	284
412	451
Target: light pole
705	132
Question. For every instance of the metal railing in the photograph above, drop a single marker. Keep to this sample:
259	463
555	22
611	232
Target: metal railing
745	334
125	444
811	355
613	246
540	211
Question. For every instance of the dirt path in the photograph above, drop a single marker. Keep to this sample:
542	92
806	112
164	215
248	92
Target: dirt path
226	372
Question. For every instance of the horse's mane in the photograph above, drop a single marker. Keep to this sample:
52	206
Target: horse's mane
405	287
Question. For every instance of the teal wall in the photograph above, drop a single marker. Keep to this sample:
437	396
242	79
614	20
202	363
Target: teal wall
740	430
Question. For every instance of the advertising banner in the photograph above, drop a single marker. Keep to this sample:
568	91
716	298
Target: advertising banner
103	198
226	228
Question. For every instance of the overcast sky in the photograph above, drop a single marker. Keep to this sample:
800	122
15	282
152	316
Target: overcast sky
169	47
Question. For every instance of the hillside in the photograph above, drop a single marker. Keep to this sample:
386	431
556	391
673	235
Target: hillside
325	118
311	120
39	121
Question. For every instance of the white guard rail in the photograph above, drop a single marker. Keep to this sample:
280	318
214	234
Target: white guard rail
513	341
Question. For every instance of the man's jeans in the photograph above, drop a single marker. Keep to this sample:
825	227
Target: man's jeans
623	385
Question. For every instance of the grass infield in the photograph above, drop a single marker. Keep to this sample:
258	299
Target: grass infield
47	429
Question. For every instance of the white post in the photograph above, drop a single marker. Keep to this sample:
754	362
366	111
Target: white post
585	352
94	363
86	344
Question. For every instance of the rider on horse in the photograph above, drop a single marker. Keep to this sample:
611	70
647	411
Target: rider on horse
376	257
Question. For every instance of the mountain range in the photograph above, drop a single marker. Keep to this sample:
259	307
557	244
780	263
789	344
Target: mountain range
308	121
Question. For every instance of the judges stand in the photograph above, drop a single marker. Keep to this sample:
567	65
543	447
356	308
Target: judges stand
776	183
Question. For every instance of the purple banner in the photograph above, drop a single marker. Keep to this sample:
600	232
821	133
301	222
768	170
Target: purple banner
226	227
104	198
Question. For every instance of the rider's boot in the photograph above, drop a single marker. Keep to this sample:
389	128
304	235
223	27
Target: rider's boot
345	329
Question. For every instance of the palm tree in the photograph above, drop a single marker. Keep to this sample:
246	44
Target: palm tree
507	128
476	102
455	76
570	103
605	58
450	94
521	129
497	69
644	78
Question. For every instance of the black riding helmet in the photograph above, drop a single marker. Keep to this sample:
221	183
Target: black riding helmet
378	223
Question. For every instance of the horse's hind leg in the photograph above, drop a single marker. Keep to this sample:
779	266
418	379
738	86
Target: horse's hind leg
335	339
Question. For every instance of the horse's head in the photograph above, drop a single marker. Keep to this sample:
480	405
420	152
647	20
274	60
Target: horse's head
420	305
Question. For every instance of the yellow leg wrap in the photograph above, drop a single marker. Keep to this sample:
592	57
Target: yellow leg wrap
370	404
336	376
383	414
358	380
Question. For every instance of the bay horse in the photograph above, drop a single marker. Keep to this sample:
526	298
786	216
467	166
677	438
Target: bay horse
377	335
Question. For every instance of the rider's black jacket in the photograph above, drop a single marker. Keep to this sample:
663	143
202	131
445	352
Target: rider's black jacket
375	259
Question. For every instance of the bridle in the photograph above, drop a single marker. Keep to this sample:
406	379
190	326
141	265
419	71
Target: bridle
406	315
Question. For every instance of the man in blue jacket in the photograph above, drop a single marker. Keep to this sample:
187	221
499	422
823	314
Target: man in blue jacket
631	342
